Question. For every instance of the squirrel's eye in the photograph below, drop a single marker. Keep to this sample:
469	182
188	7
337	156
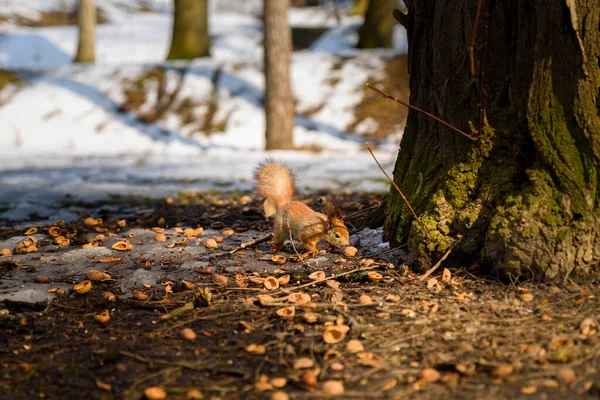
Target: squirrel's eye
337	236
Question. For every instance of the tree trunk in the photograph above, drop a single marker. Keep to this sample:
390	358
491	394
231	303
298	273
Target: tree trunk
524	199
279	102
378	27
86	19
359	7
190	30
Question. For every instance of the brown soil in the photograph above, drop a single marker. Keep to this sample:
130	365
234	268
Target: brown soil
482	338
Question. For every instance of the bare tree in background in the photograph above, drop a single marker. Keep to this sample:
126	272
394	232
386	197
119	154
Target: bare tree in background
86	19
379	23
190	30
279	104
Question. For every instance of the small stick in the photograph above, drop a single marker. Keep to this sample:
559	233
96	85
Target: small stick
437	264
474	36
387	96
253	242
294	247
398	189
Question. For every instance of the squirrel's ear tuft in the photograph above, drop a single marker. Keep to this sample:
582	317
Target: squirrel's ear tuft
332	210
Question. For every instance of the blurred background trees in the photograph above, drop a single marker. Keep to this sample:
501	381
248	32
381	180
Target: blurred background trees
377	29
190	37
86	20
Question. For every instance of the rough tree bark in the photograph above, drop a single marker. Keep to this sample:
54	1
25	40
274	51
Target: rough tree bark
524	200
378	27
86	19
190	30
279	103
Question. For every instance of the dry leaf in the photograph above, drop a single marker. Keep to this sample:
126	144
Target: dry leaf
109	260
430	375
333	388
257	280
279	260
389	385
155	393
83	287
103	317
434	285
284	280
138	294
286	312
365	299
256	348
218	239
103	385
271	283
374	276
311	318
122	245
354	346
303	363
335	333
446	275
317	276
189	232
95	275
350	251
188	334
299	298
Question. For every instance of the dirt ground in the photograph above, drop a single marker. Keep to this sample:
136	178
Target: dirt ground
243	327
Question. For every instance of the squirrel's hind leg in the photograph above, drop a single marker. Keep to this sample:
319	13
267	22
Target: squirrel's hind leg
280	236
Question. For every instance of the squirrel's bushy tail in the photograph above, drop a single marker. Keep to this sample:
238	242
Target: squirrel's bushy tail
275	184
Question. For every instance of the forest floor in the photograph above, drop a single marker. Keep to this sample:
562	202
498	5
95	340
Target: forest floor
246	327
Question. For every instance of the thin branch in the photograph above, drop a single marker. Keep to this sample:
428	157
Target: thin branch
437	264
253	242
387	96
397	188
481	94
474	37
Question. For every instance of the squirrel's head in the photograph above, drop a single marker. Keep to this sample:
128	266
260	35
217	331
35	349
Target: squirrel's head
337	233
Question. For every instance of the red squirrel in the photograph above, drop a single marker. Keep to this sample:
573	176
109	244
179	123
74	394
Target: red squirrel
276	185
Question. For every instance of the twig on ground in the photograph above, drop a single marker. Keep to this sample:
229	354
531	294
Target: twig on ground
387	96
437	264
253	242
397	188
294	247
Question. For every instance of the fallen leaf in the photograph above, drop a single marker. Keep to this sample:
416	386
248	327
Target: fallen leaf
337	366
138	294
103	385
211	244
5	252
264	298
527	297
389	385
187	285
108	260
220	280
